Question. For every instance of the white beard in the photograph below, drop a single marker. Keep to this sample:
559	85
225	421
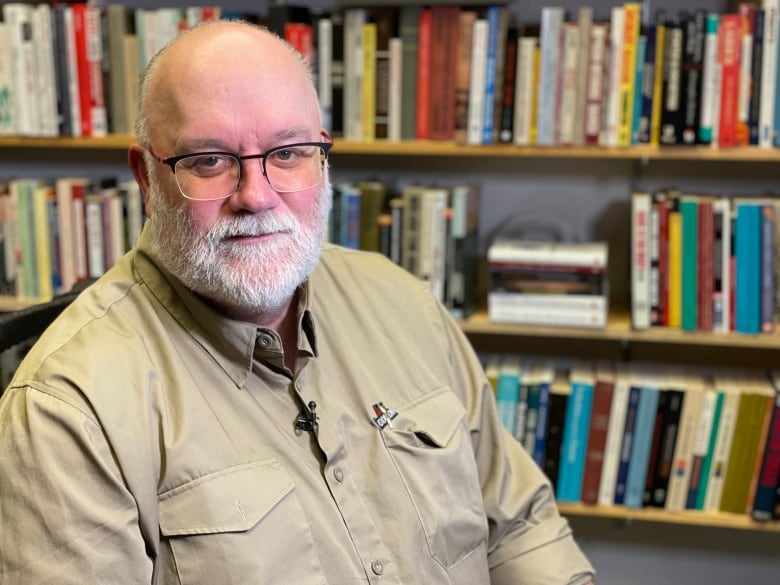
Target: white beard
255	279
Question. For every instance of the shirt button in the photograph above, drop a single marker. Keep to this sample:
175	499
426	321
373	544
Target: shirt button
264	340
338	474
377	567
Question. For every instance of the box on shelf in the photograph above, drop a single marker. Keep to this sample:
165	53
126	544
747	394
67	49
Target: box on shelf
548	283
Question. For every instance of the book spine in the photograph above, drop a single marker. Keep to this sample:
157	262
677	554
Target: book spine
709	78
642	443
594	103
626	444
769	473
768	73
574	437
692	75
730	53
631	24
550	50
640	260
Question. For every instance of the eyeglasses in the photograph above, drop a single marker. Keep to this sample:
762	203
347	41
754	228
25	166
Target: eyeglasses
208	176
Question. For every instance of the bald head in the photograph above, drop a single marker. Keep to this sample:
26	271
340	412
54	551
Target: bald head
218	61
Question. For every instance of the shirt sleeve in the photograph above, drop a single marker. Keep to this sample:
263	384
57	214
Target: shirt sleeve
66	514
529	541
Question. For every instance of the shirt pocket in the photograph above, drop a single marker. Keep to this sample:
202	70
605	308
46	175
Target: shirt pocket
430	445
240	525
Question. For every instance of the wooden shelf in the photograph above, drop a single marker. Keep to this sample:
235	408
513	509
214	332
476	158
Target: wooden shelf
450	149
685	517
619	341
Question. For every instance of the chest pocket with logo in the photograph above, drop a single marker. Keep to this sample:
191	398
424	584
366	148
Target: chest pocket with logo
240	525
430	444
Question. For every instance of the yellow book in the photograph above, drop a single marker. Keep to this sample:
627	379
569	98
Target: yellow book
658	82
368	80
632	11
675	266
535	102
44	262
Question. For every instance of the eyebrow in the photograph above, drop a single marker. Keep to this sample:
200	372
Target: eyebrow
289	134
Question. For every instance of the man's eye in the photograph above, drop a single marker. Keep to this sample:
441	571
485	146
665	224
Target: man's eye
210	164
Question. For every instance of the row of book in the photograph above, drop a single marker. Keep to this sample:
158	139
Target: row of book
431	231
442	72
73	69
55	233
646	436
705	263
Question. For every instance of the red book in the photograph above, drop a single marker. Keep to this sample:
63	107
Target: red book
729	52
662	205
300	36
423	74
705	266
82	66
769	474
597	438
441	104
79	231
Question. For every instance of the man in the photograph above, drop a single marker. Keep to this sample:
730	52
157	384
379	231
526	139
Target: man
232	404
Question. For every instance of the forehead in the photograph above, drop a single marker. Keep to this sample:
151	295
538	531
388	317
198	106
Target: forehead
233	86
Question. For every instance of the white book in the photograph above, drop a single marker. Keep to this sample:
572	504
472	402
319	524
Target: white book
615	427
63	192
766	114
549	67
432	243
524	89
18	17
96	264
591	255
640	260
395	89
476	118
324	73
7	105
745	79
709	77
555	310
677	490
616	37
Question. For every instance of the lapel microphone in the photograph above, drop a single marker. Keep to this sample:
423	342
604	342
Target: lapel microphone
307	421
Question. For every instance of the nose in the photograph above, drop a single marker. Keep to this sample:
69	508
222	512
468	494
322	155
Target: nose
254	193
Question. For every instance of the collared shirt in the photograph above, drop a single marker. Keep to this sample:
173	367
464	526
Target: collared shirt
148	439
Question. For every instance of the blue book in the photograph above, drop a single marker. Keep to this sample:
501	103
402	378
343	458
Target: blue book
641	49
508	390
542	416
349	220
747	253
626	445
492	15
768	268
640	450
575	436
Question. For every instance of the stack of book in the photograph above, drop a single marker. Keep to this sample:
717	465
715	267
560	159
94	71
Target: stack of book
548	283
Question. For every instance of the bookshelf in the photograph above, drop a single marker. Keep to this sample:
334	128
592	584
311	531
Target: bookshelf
617	342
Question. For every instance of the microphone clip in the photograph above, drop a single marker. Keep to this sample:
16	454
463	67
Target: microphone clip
307	421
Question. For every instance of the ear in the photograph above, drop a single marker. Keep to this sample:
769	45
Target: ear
135	159
325	136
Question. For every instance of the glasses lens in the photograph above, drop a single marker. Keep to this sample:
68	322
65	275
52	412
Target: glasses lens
295	167
207	176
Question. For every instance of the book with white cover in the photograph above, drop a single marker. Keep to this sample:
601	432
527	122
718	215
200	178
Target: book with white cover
590	255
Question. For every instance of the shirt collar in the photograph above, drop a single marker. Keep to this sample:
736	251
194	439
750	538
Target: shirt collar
229	342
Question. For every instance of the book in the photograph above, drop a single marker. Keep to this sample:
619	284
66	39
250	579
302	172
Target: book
702	442
642	444
595	88
672	108
627	440
373	196
560	390
710	79
597	433
549	45
693	65
669	430
508	390
463	65
689	270
769	472
679	477
575	434
726	383
640	260
478	79
617	419
631	25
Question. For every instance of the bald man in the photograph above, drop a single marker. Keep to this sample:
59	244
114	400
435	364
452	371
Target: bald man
234	403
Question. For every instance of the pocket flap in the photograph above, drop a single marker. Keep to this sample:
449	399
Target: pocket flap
436	415
231	500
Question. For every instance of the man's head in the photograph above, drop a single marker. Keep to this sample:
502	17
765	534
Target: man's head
233	88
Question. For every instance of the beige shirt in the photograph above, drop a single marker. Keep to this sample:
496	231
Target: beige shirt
148	439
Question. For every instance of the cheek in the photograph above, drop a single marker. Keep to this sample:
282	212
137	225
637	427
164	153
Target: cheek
303	206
